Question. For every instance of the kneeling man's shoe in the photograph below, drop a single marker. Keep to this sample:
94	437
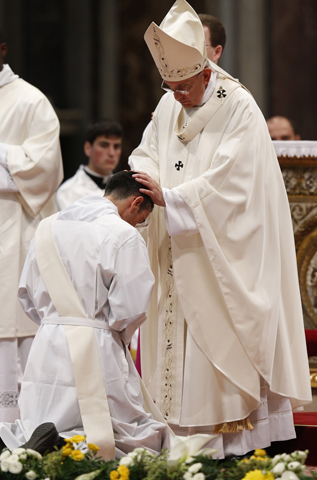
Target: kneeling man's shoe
44	438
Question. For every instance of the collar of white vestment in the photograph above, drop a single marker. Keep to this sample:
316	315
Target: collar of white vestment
100	180
7	76
187	128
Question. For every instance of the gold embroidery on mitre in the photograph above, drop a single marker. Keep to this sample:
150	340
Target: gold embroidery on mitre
165	70
234	427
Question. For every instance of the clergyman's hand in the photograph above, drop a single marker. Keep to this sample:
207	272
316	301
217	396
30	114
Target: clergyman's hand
152	188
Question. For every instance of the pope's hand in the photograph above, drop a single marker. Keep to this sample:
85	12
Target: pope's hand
152	189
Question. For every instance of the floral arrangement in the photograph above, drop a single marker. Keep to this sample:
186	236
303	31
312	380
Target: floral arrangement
186	460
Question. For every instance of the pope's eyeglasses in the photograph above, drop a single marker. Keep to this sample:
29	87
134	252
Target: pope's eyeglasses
165	87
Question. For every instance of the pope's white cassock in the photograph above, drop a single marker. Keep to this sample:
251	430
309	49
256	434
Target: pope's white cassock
224	343
107	262
30	172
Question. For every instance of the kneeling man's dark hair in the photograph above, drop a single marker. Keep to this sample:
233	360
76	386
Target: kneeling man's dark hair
122	185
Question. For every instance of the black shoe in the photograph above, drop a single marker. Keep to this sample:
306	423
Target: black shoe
44	438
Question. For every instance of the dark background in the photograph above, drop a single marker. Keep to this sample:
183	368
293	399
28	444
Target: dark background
90	59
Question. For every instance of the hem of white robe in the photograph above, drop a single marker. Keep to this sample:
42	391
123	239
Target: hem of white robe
278	427
13	356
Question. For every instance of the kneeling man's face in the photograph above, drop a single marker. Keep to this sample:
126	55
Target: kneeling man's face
134	217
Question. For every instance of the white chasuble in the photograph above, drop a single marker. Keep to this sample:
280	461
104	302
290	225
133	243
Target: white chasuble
236	278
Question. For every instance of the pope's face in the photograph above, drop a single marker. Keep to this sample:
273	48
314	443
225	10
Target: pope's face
104	154
197	86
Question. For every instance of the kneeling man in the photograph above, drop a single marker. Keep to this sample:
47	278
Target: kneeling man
87	282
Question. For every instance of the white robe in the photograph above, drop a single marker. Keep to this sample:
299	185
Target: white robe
32	168
77	187
107	261
234	279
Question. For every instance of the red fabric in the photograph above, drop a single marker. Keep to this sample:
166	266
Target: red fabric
138	356
305	418
311	342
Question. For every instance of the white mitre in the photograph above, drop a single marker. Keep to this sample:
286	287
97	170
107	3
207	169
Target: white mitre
178	45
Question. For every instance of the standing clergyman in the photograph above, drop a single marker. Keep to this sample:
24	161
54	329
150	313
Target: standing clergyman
224	347
30	171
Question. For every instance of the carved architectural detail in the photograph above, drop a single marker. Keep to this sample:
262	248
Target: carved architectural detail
300	178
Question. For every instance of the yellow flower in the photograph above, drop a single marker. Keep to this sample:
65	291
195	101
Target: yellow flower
269	476
259	452
114	475
254	475
66	450
77	455
93	447
244	460
77	439
124	472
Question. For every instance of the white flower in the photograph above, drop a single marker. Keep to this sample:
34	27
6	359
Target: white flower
139	450
126	461
23	456
5	454
187	476
31	475
133	454
199	476
13	458
285	457
15	467
81	446
300	455
288	475
34	453
276	459
278	469
293	465
5	465
195	468
18	451
189	460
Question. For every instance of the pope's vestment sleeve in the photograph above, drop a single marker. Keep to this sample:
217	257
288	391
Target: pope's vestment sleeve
131	287
36	164
178	216
146	155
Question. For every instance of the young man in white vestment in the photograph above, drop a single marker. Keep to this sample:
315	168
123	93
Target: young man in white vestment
79	373
30	172
224	348
103	147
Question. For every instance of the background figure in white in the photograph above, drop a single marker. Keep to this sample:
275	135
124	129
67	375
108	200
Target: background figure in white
30	172
107	261
102	147
225	316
